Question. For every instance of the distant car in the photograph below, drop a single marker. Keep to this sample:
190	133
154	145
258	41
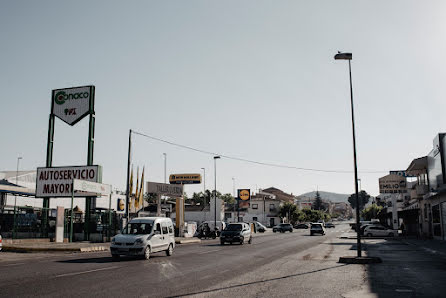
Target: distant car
259	227
329	225
317	228
374	230
0	242
236	232
301	226
283	227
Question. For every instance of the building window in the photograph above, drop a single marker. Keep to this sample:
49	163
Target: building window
255	206
228	215
254	218
272	207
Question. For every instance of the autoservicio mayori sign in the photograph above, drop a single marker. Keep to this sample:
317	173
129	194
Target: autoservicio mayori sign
58	181
72	104
170	190
91	188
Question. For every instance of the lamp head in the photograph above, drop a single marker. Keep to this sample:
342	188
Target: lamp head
343	56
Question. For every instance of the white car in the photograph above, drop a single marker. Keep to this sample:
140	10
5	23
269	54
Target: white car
143	236
375	230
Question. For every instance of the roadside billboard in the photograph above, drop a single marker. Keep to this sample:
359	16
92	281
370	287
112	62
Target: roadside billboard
243	198
185	179
72	104
165	189
58	181
392	184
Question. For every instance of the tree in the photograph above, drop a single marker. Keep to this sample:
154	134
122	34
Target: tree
227	198
287	209
364	198
373	211
150	197
318	204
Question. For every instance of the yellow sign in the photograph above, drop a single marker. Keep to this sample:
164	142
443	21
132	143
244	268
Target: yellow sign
244	194
185	179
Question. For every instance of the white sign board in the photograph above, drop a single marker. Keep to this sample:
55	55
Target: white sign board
392	184
91	188
170	190
72	104
58	181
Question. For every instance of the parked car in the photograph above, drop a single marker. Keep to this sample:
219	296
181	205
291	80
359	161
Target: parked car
143	236
317	228
259	227
236	232
283	227
363	227
374	230
301	226
1	242
329	225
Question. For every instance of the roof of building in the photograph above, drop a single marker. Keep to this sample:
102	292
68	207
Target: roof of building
417	166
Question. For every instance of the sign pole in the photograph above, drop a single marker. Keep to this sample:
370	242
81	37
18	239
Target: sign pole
127	192
49	163
71	217
109	217
90	202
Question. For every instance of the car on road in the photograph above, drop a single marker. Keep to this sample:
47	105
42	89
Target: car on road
236	232
329	225
375	230
143	236
301	226
259	227
317	228
1	242
283	227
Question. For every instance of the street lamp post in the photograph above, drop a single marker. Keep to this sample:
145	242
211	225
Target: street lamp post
215	191
165	168
233	186
15	197
348	56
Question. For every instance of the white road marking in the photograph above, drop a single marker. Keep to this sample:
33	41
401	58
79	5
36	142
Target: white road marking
83	272
15	264
209	251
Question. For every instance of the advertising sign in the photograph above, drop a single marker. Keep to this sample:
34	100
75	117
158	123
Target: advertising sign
120	205
91	188
243	197
58	181
72	104
185	179
392	184
165	189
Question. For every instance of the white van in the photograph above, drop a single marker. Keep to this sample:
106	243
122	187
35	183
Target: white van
143	236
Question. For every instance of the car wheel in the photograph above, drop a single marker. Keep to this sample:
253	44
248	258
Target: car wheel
115	257
147	253
291	230
311	234
222	242
274	230
169	251
250	240
369	235
242	240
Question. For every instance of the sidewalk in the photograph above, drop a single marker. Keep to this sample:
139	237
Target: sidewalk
40	245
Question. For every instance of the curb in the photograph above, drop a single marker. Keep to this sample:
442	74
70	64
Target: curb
54	249
186	241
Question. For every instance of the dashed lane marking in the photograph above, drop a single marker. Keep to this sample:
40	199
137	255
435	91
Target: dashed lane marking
84	272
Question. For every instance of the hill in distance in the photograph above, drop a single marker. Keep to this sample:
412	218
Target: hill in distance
330	196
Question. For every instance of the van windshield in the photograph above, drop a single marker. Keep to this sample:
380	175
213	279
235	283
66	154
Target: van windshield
138	228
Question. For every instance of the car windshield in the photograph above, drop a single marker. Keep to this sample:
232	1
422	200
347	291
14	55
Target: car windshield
316	226
234	228
138	228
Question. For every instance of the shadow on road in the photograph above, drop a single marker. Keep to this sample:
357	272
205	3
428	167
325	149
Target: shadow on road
259	282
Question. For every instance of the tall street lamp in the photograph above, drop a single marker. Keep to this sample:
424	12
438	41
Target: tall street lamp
215	191
348	56
15	197
233	186
165	168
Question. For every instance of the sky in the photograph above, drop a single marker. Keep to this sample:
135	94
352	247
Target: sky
249	79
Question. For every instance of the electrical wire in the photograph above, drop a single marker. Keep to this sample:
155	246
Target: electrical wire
251	161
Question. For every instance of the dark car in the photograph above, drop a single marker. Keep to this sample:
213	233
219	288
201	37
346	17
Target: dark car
317	228
301	226
236	232
283	227
329	225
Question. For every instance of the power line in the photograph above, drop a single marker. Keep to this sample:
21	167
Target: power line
248	160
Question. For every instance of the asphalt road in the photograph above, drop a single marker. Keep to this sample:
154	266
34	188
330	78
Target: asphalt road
192	270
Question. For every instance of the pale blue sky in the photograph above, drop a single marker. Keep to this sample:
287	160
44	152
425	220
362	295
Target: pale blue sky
252	79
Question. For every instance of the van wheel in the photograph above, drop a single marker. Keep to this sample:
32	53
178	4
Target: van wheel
147	253
169	251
